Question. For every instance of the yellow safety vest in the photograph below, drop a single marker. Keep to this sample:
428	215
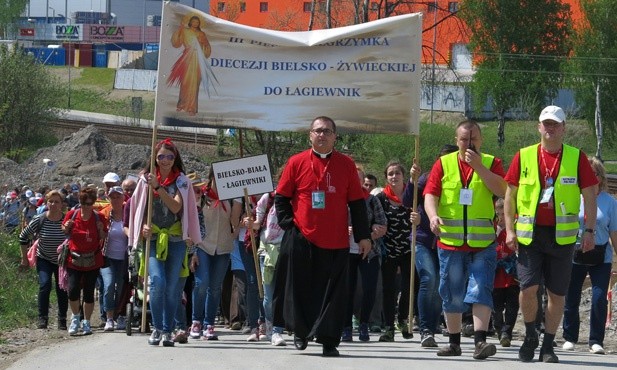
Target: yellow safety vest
461	223
566	196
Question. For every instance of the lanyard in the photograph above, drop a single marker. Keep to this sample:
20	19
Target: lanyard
548	176
319	177
466	178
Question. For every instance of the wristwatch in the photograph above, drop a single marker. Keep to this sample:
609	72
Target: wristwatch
591	231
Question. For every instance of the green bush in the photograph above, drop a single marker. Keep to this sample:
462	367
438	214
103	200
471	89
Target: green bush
18	291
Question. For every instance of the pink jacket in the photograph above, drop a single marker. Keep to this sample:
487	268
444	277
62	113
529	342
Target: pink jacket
190	218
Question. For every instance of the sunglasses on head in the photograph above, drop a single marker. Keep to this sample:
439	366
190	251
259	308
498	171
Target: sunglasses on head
169	157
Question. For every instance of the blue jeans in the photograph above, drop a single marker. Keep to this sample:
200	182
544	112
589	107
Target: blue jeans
180	316
209	277
46	269
268	294
466	278
429	301
252	290
113	281
163	281
600	277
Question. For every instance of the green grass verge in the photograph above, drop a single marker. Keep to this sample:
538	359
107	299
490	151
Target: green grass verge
18	291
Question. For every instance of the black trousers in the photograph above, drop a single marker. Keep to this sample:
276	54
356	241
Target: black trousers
505	309
316	289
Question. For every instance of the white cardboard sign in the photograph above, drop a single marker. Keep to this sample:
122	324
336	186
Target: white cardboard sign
252	173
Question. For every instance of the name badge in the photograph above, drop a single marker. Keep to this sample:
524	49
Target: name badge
568	180
465	197
546	194
318	199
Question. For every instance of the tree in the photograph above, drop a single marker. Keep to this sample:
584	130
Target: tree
519	48
594	67
10	10
28	97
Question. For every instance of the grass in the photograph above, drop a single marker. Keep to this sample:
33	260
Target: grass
18	291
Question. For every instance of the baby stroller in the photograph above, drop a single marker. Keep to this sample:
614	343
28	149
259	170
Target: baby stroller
135	306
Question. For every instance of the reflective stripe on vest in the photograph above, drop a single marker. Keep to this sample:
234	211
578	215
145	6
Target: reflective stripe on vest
566	196
477	229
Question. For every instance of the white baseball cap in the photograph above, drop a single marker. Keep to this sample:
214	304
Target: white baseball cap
111	177
553	113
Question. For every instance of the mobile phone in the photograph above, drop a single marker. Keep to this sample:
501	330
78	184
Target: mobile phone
472	147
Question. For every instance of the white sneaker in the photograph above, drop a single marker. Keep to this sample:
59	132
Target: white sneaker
254	337
596	349
277	340
109	325
568	346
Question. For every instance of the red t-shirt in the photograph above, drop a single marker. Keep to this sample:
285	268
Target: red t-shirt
337	177
545	213
85	237
433	187
502	278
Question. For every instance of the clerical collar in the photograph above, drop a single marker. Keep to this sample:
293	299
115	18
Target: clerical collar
322	156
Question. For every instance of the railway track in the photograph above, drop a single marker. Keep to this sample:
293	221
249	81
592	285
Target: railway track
136	132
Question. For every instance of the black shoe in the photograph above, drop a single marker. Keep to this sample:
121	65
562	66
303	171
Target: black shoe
548	356
527	350
42	323
450	350
405	332
330	351
484	350
300	343
62	323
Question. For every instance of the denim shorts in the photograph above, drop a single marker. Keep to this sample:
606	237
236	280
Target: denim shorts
466	278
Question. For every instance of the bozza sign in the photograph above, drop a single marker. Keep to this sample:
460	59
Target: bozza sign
67	31
99	32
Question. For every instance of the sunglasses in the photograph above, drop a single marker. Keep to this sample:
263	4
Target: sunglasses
169	157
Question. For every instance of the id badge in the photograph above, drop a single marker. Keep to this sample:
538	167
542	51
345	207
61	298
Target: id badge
318	199
465	197
546	194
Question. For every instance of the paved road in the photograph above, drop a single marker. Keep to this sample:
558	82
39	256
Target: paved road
118	351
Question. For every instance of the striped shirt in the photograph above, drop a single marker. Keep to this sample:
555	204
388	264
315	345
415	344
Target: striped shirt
50	237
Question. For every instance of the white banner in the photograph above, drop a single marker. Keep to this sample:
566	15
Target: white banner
215	73
250	173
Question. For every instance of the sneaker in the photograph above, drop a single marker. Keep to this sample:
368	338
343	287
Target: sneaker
548	356
404	326
427	340
388	336
568	346
262	329
42	323
121	323
236	326
209	333
62	323
450	350
195	332
596	349
155	338
109	325
375	329
526	352
277	340
364	334
254	337
484	350
347	335
246	330
505	340
75	324
467	330
85	327
180	336
167	341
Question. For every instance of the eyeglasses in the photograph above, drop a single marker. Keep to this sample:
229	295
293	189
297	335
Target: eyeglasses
169	157
88	204
325	131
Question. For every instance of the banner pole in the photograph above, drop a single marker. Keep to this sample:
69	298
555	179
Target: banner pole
414	233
